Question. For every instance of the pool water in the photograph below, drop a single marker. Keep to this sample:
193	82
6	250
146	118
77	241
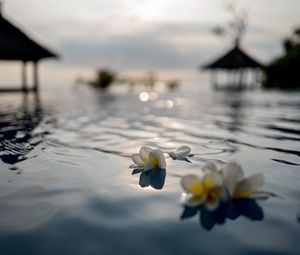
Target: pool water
66	186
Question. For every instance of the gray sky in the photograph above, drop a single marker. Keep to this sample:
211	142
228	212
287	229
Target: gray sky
135	36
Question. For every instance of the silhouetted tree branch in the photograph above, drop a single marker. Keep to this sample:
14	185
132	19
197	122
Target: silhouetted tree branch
237	24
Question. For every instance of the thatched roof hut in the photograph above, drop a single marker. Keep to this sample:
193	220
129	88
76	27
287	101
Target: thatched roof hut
234	60
16	45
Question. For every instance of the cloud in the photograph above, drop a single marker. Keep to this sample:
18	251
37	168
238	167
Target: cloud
153	46
143	46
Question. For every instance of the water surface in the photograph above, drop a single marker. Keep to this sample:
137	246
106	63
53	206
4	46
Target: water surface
66	186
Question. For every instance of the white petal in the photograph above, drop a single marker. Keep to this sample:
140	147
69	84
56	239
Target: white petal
182	152
246	187
212	180
188	181
210	166
192	200
173	155
145	152
157	159
137	160
232	174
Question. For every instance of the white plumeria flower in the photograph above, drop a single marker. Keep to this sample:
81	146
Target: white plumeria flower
148	159
235	182
239	186
181	153
207	191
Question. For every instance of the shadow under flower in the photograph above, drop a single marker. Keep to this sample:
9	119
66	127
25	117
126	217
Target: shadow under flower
238	207
154	178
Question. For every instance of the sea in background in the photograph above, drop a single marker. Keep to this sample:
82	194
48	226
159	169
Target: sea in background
66	185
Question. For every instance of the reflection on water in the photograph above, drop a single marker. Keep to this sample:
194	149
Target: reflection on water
154	178
234	101
236	208
16	138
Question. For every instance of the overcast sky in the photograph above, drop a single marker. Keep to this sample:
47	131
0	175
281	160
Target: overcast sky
167	36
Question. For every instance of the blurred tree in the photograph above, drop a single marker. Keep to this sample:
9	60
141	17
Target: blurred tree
150	80
283	72
292	42
173	85
104	78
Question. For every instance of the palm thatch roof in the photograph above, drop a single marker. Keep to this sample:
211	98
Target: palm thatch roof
234	59
16	45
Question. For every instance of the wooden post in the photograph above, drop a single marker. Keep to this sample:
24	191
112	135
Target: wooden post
258	77
246	74
230	78
24	77
241	79
215	79
233	78
35	76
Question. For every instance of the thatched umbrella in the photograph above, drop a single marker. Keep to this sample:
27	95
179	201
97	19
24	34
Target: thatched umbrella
237	60
16	45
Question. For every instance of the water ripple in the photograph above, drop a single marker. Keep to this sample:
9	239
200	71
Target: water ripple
73	150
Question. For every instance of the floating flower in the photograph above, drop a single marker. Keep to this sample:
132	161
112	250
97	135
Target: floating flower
181	153
207	191
239	186
148	159
235	182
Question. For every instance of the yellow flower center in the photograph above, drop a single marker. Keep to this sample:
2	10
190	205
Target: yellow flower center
154	162
213	195
197	188
208	183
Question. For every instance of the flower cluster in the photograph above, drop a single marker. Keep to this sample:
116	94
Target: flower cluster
213	187
223	184
149	159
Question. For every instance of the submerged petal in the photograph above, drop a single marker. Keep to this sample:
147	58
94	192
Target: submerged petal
137	160
145	152
232	174
246	187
